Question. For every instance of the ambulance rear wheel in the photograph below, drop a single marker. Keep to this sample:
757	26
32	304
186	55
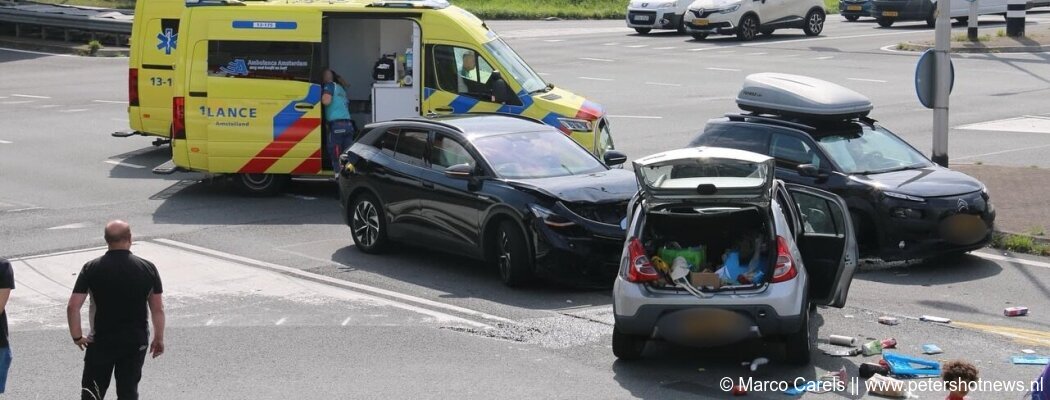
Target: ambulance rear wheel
261	184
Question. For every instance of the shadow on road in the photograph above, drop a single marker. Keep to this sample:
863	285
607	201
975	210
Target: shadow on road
217	202
964	268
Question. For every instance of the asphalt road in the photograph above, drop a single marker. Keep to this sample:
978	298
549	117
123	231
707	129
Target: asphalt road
394	326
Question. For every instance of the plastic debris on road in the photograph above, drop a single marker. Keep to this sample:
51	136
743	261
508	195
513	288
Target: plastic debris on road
1030	359
888	320
1015	311
931	349
867	370
901	365
1028	351
890	343
758	362
842	352
739	391
872	348
930	318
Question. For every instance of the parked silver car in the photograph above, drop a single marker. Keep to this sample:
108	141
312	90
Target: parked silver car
750	254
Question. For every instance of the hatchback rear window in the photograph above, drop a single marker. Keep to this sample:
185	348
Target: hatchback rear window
722	173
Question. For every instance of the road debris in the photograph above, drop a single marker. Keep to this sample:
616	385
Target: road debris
888	387
739	391
890	343
758	362
872	348
867	370
1030	359
839	340
842	352
930	318
902	366
888	320
1015	311
1028	351
931	349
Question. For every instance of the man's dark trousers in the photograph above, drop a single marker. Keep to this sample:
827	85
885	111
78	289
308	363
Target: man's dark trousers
122	361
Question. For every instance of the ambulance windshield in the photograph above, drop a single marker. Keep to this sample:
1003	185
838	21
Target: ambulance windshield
515	66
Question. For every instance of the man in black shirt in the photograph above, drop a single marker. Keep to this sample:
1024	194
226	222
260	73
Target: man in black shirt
7	282
121	286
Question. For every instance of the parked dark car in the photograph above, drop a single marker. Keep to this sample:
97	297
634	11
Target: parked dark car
903	205
852	10
505	189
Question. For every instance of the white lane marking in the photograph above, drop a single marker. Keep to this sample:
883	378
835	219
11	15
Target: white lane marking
78	225
594	79
126	120
25	209
299	196
824	58
345	321
30	96
994	153
554	40
665	48
703	49
868	80
281	321
5	142
635	116
18	102
723	69
49	106
40	53
1026	124
596	59
663	84
610	44
210	321
789	56
110	101
3	97
348	284
74	110
755	54
124	164
637	46
728	51
1015	260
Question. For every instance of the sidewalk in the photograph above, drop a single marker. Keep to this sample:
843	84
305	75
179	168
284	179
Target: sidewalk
59	47
1019	194
992	40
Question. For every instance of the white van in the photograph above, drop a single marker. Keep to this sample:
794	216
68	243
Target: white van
646	15
886	12
747	18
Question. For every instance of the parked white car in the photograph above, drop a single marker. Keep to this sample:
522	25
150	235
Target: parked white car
747	18
646	15
723	209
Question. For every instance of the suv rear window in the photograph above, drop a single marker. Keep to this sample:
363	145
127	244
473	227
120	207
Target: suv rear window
740	136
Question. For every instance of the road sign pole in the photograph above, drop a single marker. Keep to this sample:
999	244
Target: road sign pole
1015	17
971	28
942	80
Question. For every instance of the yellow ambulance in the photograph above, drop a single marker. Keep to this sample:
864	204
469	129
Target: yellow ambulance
151	66
247	92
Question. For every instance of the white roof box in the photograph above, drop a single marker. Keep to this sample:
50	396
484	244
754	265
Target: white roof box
800	96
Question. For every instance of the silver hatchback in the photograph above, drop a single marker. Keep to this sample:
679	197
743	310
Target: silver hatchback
718	251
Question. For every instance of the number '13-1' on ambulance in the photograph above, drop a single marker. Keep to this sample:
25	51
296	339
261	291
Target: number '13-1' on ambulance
247	81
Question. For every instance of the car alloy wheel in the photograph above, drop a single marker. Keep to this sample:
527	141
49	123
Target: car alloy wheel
814	23
365	224
506	258
748	28
512	254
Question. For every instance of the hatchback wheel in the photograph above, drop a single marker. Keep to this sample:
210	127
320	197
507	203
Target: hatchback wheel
512	255
748	28
628	347
367	225
797	345
261	184
643	31
814	23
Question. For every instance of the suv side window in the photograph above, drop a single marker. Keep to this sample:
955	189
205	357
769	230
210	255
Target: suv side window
446	152
751	138
387	142
790	151
412	147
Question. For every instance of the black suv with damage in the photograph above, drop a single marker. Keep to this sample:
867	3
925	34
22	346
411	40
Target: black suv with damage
501	188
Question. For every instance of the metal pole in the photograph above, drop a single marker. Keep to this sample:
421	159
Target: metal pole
1015	18
971	29
942	81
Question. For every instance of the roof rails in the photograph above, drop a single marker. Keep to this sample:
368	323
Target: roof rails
772	120
431	4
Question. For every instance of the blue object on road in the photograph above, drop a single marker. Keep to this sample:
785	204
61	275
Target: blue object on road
1030	360
931	349
901	365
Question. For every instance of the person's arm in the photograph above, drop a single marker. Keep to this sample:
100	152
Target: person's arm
7	282
76	301
156	311
326	94
5	294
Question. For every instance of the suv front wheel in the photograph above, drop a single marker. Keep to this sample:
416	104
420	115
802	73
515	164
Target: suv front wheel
814	23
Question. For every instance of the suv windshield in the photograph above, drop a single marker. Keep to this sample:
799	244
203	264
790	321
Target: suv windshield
690	173
515	66
863	149
542	154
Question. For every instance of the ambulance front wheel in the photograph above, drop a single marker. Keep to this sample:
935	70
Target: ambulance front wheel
261	184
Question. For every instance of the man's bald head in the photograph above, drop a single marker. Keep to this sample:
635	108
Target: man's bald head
118	234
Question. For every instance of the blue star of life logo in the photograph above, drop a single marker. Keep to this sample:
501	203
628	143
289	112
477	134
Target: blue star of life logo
235	67
168	40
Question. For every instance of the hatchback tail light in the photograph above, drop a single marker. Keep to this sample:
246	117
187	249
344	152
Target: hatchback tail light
639	269
785	269
133	87
178	120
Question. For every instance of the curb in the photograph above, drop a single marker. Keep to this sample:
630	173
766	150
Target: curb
1037	239
910	46
61	48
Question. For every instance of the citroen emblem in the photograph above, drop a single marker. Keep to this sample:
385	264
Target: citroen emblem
962	206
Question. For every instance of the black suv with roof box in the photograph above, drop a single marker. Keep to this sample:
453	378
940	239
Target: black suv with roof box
903	205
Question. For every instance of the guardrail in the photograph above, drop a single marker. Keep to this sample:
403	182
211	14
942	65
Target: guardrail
68	19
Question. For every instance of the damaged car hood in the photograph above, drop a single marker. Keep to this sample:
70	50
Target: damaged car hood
600	187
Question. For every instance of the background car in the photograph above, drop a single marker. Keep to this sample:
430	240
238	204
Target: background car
852	10
709	198
506	189
747	18
903	205
646	15
886	12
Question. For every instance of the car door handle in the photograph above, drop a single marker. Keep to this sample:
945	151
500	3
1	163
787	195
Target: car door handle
444	109
428	185
304	106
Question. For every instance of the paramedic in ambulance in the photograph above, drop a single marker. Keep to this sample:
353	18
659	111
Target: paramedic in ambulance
470	65
336	116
